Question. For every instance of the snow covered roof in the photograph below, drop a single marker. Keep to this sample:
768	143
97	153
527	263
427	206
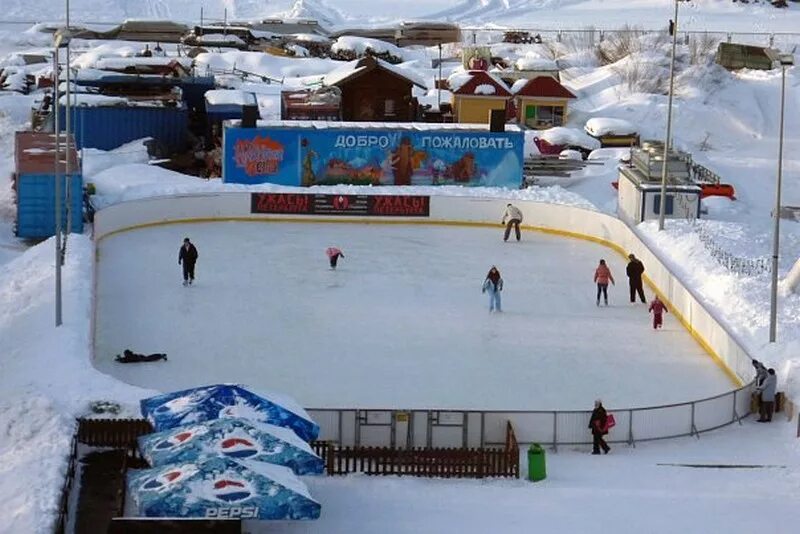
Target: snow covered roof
561	135
600	126
155	61
535	63
210	38
431	99
474	82
230	97
356	68
542	86
419	126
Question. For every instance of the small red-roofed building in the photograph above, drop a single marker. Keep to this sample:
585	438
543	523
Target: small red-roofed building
475	94
541	102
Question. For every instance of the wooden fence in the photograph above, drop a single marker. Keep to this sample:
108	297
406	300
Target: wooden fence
427	462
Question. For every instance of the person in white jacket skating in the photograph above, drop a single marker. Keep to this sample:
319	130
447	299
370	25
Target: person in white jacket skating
514	217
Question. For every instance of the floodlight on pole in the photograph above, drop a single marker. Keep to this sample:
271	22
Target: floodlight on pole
786	60
673	28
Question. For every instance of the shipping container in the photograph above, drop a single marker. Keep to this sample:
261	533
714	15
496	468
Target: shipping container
35	185
110	126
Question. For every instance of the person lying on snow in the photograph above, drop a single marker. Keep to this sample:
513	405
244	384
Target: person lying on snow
128	356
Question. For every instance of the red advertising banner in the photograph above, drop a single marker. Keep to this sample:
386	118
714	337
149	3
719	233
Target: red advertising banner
355	205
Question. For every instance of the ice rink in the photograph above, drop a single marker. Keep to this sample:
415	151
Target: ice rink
400	324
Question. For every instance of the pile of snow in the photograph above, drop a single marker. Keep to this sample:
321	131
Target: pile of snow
601	126
135	180
560	135
431	99
229	97
535	63
361	45
485	89
96	160
613	154
219	38
570	154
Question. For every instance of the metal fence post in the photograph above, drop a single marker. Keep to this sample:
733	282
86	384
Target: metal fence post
630	429
694	427
555	431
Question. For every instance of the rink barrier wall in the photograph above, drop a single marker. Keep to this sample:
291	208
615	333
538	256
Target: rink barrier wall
564	220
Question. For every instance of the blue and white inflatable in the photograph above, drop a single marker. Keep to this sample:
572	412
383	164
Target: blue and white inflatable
236	438
221	488
207	403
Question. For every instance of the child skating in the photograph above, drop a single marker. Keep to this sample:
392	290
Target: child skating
333	254
658	309
601	277
493	285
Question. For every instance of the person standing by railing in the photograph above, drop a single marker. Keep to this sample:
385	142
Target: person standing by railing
598	425
767	390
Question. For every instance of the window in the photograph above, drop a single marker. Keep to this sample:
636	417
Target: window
388	108
544	116
657	204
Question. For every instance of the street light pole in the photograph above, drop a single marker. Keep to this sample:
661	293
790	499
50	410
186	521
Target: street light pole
663	203
68	131
786	60
57	175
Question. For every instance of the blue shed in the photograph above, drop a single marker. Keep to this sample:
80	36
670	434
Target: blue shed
34	182
108	122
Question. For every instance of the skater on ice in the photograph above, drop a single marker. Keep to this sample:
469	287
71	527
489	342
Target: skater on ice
635	270
658	309
493	285
598	424
601	277
514	216
128	356
187	256
334	254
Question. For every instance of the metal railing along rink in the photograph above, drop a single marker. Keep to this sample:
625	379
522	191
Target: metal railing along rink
479	428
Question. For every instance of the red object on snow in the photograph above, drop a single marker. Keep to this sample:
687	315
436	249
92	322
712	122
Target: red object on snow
546	148
333	251
717	190
615	184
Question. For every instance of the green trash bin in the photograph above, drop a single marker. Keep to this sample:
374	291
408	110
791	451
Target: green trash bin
536	464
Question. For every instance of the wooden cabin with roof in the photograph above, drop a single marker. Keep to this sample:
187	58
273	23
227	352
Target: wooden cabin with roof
541	102
475	94
375	90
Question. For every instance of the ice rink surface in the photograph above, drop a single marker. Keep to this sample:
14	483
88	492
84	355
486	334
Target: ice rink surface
401	323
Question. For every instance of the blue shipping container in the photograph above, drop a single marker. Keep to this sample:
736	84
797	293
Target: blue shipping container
108	127
36	218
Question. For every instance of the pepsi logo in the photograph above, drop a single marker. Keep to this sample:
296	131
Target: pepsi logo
169	477
231	490
238	448
181	438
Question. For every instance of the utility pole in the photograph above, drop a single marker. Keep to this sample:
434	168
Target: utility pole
57	175
673	26
786	60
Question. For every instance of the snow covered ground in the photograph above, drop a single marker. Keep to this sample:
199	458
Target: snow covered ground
400	323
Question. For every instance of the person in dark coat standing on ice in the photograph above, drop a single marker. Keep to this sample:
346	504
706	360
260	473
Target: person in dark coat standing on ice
658	309
602	275
635	270
493	285
333	254
514	217
598	425
187	256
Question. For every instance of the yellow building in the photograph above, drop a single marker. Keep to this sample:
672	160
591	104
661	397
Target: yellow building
475	94
541	102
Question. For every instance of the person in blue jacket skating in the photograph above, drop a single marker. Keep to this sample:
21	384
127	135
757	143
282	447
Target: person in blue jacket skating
493	285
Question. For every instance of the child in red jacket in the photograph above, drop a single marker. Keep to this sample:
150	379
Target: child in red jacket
658	309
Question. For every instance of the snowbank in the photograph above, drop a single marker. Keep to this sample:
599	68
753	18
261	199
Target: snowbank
598	127
560	135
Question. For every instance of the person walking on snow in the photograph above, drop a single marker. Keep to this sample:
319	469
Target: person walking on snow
514	216
658	309
333	254
598	425
187	256
601	277
767	391
635	270
494	285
